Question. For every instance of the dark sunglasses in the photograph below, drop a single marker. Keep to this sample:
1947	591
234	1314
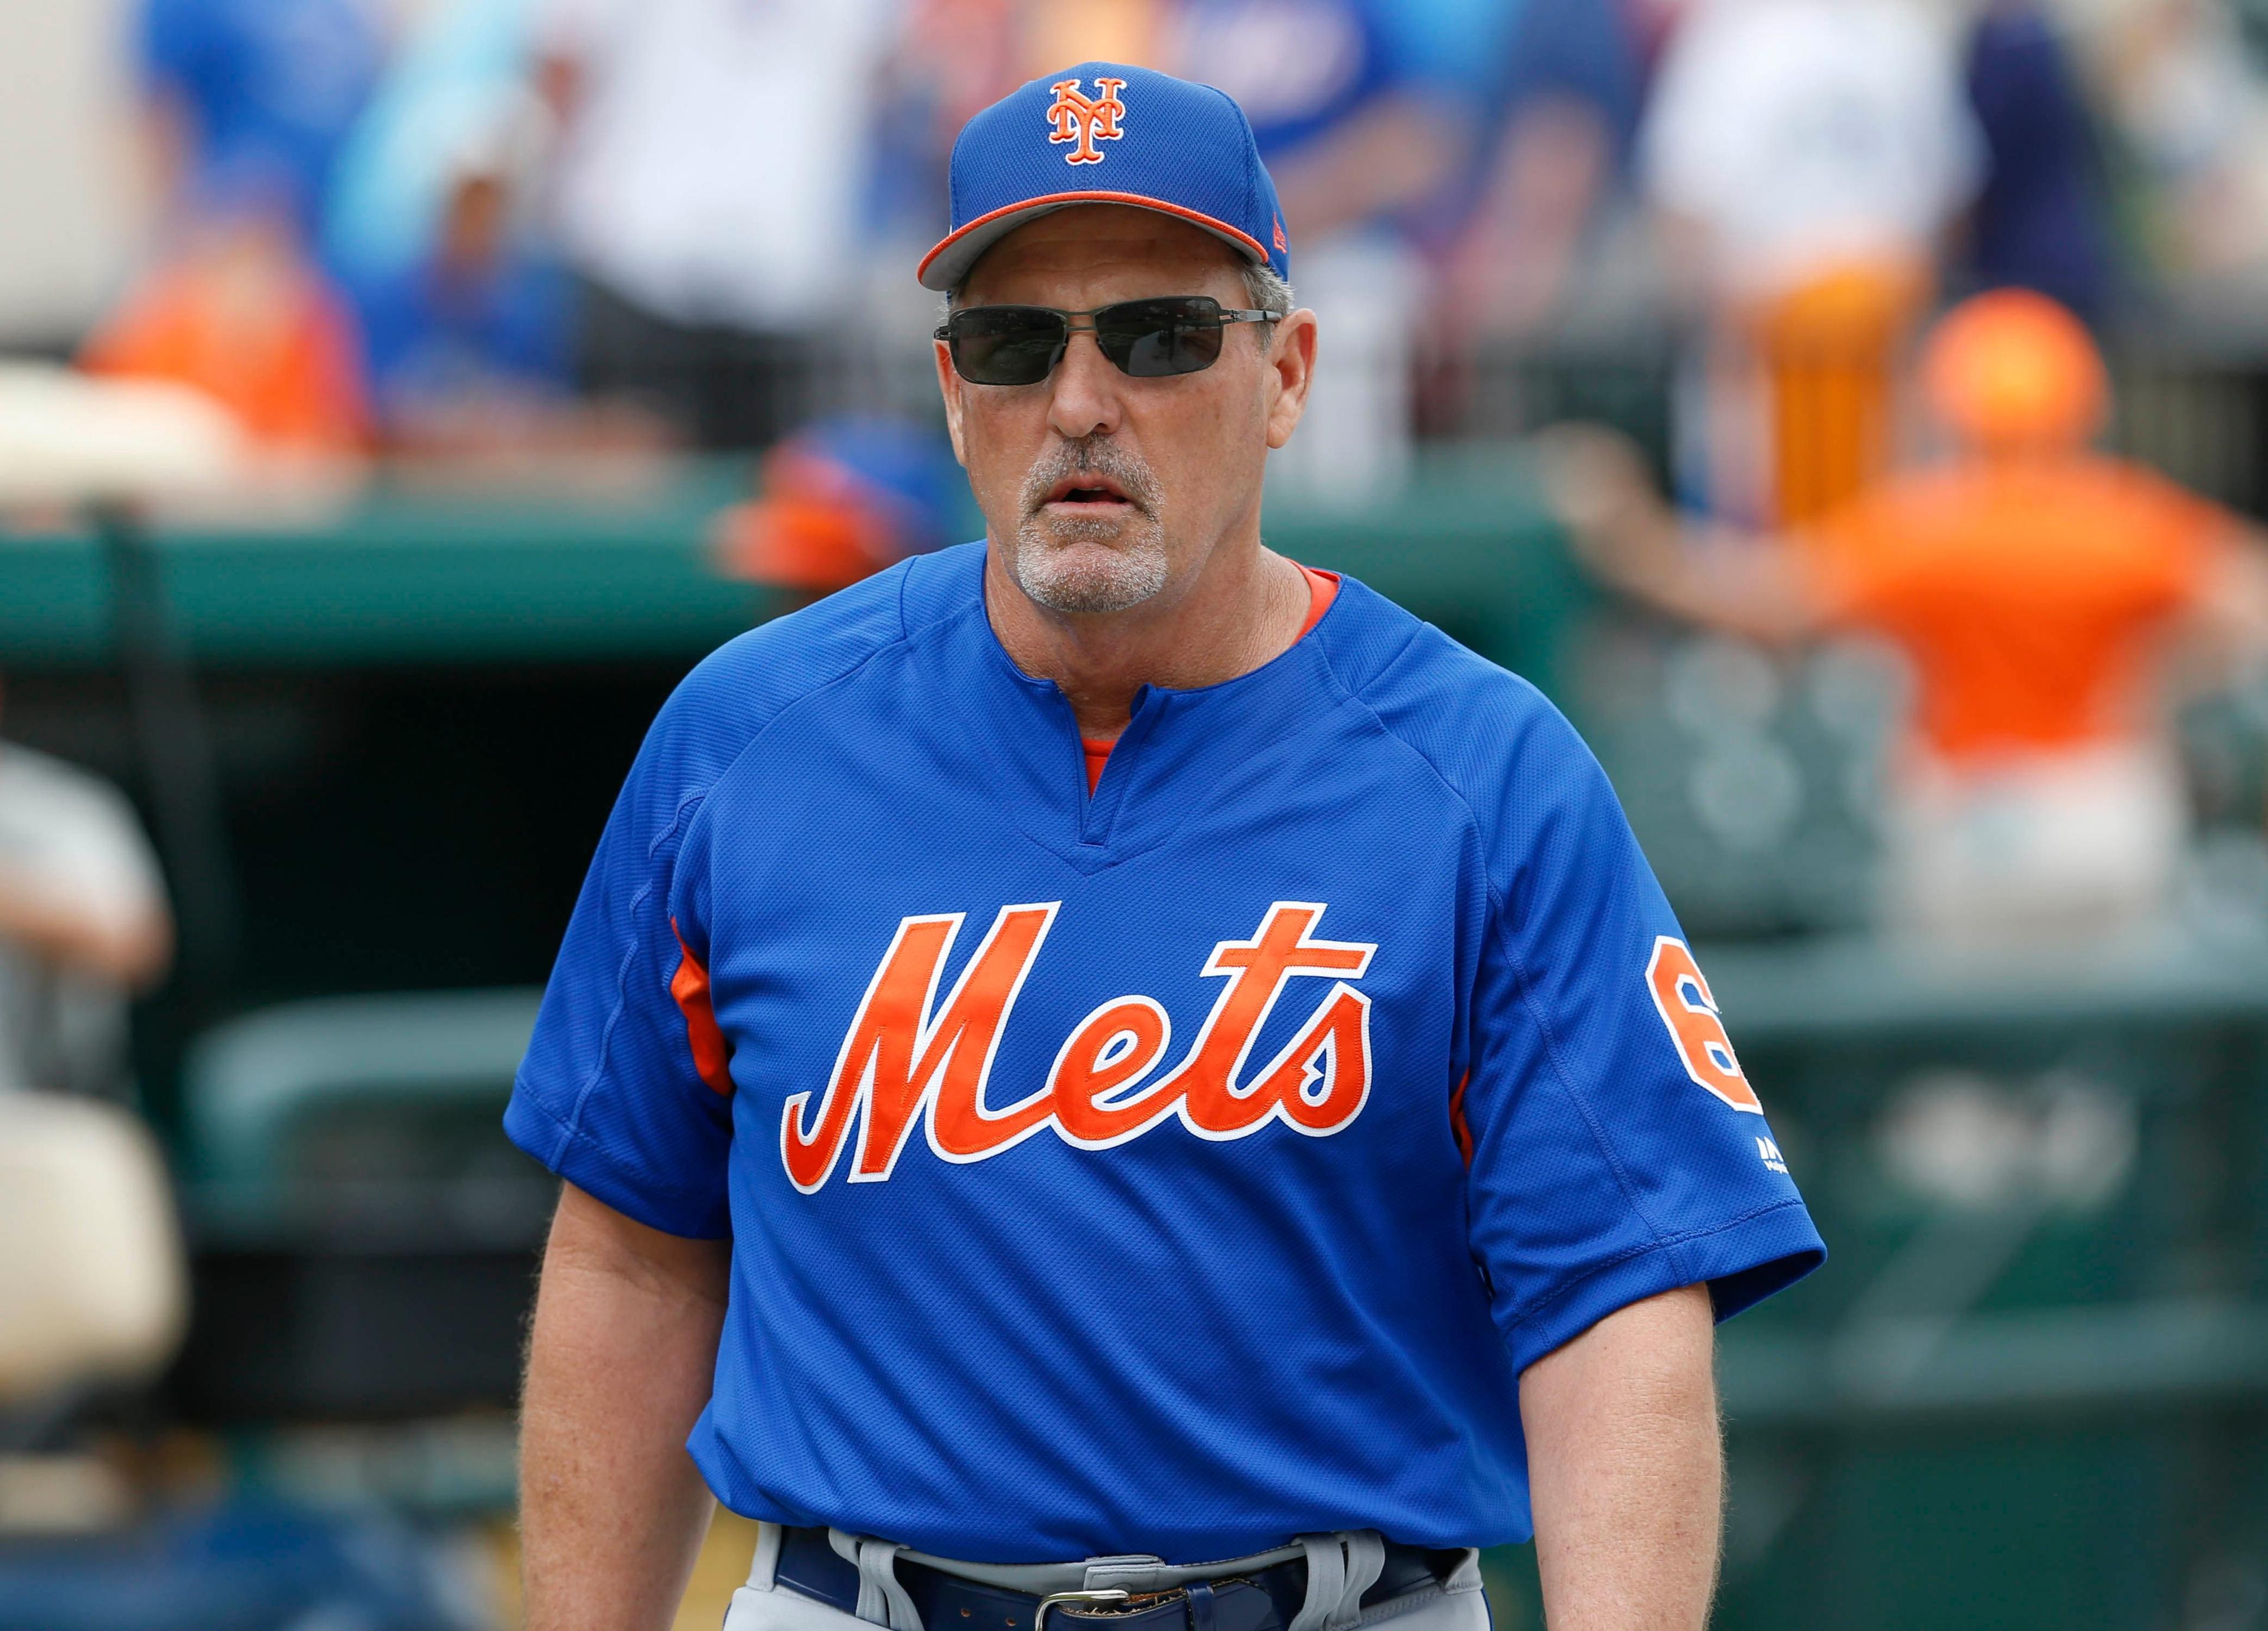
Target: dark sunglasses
1020	345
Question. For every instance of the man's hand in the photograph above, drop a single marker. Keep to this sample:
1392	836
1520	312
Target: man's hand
109	934
1626	1469
612	1510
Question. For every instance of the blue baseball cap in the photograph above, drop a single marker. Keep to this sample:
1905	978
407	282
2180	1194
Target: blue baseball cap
1104	133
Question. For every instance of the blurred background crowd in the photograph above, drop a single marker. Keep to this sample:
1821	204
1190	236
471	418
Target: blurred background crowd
1852	412
421	225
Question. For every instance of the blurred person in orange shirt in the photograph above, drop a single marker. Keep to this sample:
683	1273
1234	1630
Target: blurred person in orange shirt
2035	588
237	308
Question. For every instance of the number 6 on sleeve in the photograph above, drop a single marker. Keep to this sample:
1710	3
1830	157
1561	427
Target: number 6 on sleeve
1680	996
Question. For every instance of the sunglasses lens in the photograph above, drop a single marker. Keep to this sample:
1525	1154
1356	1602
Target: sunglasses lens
1150	339
1006	345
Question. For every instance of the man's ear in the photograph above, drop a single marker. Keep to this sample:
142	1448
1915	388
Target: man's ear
1292	370
948	385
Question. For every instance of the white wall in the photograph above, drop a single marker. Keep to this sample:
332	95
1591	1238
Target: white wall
66	173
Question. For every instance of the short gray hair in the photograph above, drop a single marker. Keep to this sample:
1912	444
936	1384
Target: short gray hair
1267	292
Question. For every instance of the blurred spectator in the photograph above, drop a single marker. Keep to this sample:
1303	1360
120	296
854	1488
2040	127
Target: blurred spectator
239	311
2187	102
2039	221
2028	581
951	58
433	226
1793	137
1362	117
274	84
1561	86
842	499
455	96
1345	102
713	161
468	347
1807	156
84	924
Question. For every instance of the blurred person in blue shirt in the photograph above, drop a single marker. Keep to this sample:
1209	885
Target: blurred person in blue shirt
1561	87
457	83
433	222
2040	220
1360	112
1365	113
467	345
273	82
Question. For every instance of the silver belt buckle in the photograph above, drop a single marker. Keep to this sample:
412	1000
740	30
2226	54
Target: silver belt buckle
1040	1614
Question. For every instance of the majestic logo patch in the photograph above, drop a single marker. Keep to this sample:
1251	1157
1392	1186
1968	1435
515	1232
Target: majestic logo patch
1078	119
909	1058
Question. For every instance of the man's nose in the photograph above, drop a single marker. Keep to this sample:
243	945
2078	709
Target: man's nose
1083	392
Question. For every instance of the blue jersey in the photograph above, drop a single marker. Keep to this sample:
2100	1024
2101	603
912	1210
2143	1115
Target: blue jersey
1174	1169
270	86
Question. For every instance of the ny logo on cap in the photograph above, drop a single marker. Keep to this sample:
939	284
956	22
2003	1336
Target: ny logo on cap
1086	121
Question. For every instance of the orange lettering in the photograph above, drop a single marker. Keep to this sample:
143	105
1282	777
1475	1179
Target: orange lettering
1258	970
1341	1034
897	1059
1682	996
1087	1072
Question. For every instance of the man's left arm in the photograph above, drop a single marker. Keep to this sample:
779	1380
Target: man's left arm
1624	1191
1625	1468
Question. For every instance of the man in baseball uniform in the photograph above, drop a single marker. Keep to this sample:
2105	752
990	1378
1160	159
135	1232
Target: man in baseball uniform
1110	1081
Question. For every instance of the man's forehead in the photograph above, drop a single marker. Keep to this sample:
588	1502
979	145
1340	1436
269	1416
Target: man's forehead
1089	239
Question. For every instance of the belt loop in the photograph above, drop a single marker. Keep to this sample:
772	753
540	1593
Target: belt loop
1341	1568
1201	1605
1326	1577
882	1599
1365	1555
763	1570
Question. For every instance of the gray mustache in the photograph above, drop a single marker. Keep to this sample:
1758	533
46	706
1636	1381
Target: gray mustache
1092	457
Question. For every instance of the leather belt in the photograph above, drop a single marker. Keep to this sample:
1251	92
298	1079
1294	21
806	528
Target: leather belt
1265	1599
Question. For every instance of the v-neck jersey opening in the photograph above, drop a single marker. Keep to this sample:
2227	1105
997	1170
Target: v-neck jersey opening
1322	590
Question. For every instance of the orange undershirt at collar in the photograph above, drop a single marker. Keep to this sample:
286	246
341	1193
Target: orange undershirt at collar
1323	589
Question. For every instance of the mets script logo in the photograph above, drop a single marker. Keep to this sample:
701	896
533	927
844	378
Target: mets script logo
906	1057
1078	119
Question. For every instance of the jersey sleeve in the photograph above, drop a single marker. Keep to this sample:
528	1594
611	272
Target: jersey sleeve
1616	1150
610	1097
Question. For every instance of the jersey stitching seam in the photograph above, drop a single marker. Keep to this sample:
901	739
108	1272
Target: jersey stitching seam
694	801
572	1138
534	1098
1551	1049
1660	1243
637	937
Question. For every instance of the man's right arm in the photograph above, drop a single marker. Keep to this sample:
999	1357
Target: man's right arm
612	1509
